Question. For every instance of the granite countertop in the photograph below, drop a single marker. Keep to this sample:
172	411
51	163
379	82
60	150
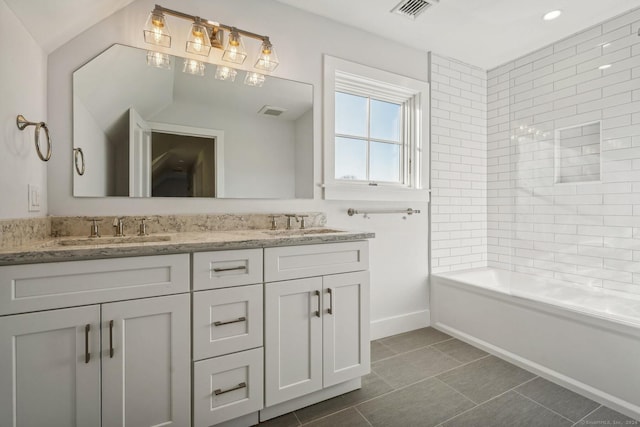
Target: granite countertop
81	248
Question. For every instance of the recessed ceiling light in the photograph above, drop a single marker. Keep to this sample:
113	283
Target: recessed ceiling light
604	67
550	16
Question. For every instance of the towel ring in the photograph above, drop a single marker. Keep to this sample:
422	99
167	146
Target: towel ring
79	151
23	123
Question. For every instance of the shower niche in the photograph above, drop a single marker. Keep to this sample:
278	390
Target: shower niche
577	153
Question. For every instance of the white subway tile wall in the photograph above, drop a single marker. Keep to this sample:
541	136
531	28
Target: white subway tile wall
459	165
586	232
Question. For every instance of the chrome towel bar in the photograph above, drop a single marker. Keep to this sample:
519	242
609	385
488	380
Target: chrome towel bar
23	123
410	211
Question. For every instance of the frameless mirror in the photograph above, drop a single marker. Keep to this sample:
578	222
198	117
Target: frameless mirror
151	132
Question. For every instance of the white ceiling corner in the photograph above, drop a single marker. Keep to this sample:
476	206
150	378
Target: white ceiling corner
52	23
484	33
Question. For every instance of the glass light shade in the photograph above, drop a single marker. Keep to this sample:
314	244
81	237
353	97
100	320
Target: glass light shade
193	66
225	73
235	51
254	79
198	41
268	59
156	30
159	60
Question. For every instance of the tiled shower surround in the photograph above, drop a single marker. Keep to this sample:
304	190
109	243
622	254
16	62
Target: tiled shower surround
458	165
540	220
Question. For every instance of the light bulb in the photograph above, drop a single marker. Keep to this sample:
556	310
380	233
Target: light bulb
193	66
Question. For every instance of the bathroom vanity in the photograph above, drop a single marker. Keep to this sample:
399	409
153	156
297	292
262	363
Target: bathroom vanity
201	329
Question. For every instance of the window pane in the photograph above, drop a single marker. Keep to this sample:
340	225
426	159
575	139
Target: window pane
385	120
351	114
351	159
385	162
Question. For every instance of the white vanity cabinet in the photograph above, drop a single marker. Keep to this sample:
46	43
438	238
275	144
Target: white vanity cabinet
106	363
316	328
228	375
210	338
50	368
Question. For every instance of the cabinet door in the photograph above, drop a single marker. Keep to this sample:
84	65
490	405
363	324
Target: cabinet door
293	339
46	378
145	362
346	353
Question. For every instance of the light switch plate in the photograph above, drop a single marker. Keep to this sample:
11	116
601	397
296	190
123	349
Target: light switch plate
34	198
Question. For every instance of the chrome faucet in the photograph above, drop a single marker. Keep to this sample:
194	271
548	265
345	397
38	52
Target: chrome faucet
95	231
298	218
118	224
289	218
143	227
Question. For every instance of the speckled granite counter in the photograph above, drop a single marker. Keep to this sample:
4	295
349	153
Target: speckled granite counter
58	249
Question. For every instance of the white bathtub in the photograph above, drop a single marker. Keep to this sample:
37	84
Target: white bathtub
586	339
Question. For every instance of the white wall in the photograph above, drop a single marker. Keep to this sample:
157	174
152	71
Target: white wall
399	252
587	233
23	91
459	165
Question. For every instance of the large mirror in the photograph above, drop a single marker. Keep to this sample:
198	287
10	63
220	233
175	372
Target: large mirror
151	132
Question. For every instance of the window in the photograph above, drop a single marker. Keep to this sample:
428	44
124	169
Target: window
374	130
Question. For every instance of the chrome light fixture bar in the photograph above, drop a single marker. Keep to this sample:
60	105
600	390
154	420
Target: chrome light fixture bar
206	34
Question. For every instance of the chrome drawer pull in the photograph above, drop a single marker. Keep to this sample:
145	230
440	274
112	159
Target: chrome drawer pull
239	319
242	267
238	387
87	355
317	312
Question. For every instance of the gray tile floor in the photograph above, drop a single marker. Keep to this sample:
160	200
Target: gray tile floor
427	378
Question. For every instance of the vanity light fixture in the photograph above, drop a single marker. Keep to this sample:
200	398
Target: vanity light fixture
205	34
235	51
156	30
159	60
225	73
254	79
198	41
268	59
550	16
193	66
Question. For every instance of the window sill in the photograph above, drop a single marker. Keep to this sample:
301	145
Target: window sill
374	193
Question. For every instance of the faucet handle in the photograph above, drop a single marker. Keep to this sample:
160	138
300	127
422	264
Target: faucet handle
143	227
274	225
95	231
302	221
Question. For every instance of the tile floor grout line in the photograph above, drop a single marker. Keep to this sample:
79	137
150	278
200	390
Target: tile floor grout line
543	406
459	392
362	415
582	419
297	418
414	349
457	360
486	401
432	376
328	415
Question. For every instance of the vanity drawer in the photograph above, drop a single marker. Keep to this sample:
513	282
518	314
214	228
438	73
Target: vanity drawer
227	387
294	262
227	321
223	269
34	287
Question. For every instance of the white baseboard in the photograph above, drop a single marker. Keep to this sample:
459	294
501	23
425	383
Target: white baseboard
572	384
398	324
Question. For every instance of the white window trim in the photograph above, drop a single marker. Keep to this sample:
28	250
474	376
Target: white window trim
397	88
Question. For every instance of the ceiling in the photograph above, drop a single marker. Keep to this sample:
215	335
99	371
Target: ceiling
485	33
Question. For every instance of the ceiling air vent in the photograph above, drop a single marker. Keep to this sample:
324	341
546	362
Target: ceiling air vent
412	8
268	110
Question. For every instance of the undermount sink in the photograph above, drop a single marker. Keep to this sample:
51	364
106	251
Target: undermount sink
303	232
90	241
